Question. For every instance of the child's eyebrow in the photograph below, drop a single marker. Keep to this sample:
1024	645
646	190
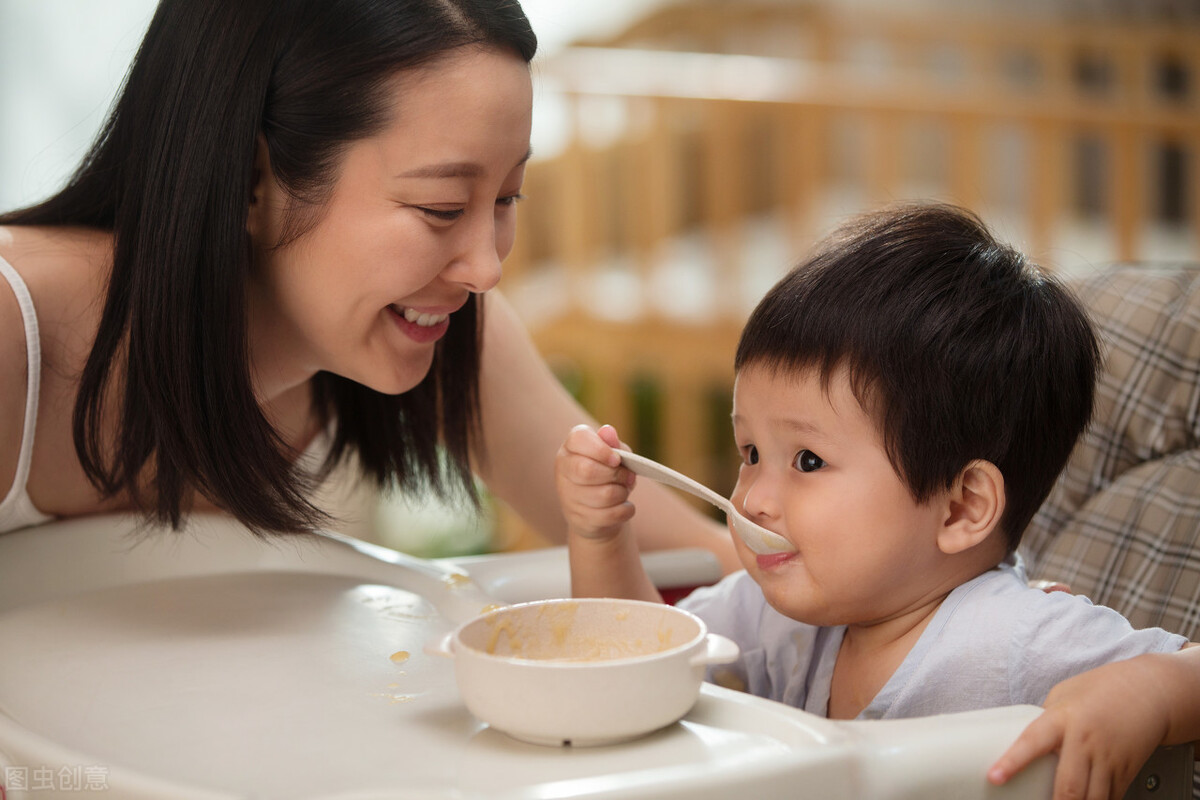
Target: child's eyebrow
802	426
794	425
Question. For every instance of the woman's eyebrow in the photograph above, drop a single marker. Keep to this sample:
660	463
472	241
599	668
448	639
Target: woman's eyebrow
454	169
451	169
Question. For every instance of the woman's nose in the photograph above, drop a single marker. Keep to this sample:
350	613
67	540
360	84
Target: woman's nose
477	265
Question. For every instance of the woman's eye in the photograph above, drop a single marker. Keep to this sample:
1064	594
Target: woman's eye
510	200
751	454
442	215
808	461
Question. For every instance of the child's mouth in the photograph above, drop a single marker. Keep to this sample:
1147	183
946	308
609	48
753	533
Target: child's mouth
772	560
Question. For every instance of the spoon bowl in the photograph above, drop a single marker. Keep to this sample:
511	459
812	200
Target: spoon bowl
757	538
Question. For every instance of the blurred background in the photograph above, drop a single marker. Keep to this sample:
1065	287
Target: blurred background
687	152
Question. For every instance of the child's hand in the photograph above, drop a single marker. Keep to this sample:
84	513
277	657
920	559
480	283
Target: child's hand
594	490
592	485
1104	724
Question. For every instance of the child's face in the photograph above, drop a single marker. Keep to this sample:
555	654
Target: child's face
815	471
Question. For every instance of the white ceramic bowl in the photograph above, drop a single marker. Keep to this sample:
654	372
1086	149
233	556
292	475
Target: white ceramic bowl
584	671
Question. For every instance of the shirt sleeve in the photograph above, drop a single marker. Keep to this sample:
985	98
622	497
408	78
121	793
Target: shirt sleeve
1064	635
996	642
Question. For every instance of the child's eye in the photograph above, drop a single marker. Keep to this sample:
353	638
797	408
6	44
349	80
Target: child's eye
808	461
751	454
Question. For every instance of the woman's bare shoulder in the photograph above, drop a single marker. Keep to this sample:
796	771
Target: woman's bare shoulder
64	271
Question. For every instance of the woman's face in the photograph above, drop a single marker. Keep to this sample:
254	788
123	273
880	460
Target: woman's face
419	218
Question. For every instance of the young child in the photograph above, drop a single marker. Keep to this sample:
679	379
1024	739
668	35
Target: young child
904	401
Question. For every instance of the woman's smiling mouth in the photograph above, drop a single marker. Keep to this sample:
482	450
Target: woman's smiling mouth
420	326
423	319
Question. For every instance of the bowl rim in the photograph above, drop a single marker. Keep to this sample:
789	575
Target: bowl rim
546	663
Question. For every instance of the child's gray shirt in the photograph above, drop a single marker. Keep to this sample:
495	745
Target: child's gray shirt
993	642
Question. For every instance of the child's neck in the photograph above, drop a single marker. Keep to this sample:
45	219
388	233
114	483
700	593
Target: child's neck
870	654
872	651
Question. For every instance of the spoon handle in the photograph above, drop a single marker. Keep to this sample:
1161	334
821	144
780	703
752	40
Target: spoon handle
663	474
756	537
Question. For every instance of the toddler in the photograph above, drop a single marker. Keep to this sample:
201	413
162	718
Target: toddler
904	401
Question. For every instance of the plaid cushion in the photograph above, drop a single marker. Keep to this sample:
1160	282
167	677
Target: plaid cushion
1123	522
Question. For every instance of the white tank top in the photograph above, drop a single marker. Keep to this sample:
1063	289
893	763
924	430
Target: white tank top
16	509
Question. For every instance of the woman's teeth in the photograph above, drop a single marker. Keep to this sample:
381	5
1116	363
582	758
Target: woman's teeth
424	320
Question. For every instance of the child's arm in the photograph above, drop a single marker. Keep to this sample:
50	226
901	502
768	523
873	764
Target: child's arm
1106	722
594	489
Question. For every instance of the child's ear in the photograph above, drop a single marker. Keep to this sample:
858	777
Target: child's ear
974	507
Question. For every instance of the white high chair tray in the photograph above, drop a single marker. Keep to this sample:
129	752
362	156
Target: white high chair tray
211	664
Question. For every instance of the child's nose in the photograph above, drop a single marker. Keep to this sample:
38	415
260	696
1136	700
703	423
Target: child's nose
756	497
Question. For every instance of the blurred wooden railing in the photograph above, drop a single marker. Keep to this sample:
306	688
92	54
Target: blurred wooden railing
1041	125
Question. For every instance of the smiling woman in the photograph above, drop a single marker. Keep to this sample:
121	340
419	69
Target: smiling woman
417	224
278	247
238	251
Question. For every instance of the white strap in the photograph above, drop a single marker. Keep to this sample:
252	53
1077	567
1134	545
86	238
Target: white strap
33	355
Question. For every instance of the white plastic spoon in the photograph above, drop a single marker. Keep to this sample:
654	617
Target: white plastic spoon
756	537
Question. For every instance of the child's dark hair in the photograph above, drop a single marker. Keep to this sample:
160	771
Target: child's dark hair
955	344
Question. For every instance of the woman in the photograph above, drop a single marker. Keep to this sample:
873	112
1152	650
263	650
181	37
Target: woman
283	235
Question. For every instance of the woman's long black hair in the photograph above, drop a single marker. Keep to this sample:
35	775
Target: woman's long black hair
170	175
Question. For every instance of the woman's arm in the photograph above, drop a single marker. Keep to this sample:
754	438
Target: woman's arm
526	416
